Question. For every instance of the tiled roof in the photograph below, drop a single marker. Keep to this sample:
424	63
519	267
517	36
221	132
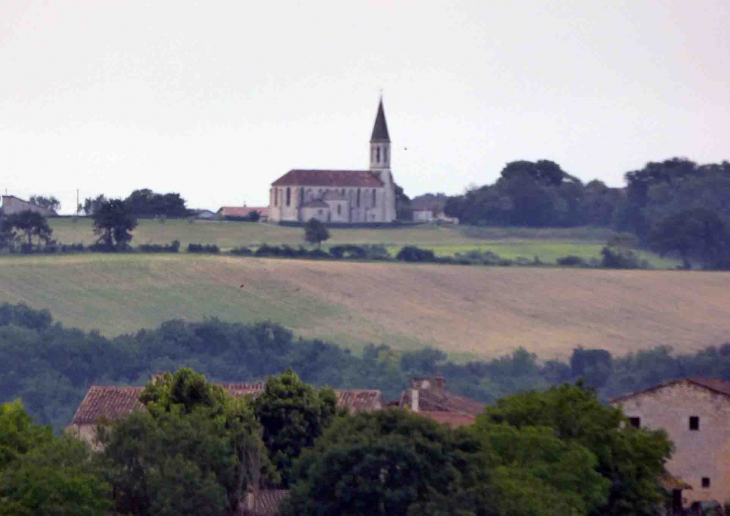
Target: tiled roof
235	211
713	384
438	400
315	204
380	128
266	502
116	402
453	419
337	178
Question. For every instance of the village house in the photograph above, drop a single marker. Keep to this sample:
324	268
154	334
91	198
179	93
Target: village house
429	398
12	204
340	196
695	413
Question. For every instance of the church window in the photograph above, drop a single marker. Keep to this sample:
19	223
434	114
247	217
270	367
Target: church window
288	196
377	154
339	209
385	154
374	198
358	197
276	197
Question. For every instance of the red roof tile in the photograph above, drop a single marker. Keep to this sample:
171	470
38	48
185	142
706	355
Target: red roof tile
116	402
337	178
713	384
439	400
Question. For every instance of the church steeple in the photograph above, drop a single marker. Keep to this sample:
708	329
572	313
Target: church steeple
380	141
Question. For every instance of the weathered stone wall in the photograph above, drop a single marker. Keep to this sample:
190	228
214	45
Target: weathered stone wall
699	453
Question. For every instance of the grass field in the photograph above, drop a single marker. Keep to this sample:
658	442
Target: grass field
547	244
466	311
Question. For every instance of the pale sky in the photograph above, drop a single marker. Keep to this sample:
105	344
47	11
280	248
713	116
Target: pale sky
217	99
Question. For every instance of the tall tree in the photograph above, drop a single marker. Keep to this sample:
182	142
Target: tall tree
315	232
113	223
695	233
293	414
50	203
32	224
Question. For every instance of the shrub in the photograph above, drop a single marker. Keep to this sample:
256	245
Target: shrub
242	251
72	248
172	247
412	253
348	252
477	257
615	258
376	252
571	261
203	248
319	254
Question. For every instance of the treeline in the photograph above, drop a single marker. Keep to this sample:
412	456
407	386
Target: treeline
50	367
143	203
541	194
196	449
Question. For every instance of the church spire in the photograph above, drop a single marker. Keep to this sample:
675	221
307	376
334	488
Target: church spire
380	129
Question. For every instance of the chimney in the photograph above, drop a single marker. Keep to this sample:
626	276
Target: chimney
439	382
435	382
414	400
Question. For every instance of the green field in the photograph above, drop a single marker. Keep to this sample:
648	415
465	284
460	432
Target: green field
466	311
547	244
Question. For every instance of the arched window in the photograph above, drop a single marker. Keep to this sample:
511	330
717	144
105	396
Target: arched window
374	197
385	154
377	154
273	194
288	196
358	197
339	209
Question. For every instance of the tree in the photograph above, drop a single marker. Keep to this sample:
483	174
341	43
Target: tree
254	216
631	459
403	208
146	203
380	463
293	415
49	203
113	221
196	450
91	206
315	232
41	474
32	224
696	233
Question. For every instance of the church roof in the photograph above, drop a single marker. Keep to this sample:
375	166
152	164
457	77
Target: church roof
380	129
336	178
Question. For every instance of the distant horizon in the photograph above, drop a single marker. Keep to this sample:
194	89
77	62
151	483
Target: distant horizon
217	101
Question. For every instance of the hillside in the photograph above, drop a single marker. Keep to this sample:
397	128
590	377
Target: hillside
466	311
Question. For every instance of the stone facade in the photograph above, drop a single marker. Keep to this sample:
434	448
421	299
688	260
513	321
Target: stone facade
340	196
696	415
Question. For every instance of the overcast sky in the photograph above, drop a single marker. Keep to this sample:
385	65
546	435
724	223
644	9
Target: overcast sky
217	99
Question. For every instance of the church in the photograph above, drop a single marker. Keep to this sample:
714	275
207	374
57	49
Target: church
340	196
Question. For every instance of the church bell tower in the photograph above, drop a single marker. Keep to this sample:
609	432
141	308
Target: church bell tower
380	162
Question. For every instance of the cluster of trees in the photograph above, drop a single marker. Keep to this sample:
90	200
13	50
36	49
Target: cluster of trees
27	229
50	367
49	203
674	206
197	450
143	203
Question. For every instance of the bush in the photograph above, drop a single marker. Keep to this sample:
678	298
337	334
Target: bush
172	247
477	257
348	252
242	251
571	261
412	253
614	258
72	248
203	248
376	252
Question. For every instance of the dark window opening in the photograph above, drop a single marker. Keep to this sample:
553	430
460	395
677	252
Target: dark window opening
377	154
358	197
694	422
374	198
339	209
385	154
276	197
705	482
288	196
635	422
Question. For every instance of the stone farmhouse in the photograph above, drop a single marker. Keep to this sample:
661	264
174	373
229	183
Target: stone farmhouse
429	398
340	196
12	204
695	412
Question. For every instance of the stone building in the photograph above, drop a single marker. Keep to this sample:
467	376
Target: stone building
340	196
695	412
12	204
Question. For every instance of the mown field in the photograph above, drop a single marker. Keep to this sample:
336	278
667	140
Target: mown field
466	311
546	244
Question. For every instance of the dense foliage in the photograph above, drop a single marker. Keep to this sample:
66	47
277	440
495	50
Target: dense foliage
50	367
145	203
113	223
315	232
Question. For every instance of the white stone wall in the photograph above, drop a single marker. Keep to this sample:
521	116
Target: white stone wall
309	213
351	211
701	453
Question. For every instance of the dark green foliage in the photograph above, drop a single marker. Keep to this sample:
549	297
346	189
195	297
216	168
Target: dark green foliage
403	208
571	261
145	203
315	232
41	474
286	251
91	206
379	464
254	216
203	248
348	251
694	233
412	253
593	365
172	247
242	251
113	223
631	459
30	224
618	258
196	450
49	203
293	415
